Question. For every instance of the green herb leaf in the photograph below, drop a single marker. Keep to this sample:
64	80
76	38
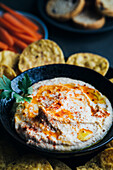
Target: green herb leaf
4	83
28	99
7	81
5	94
24	86
30	90
21	87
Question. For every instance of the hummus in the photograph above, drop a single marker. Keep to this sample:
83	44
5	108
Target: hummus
64	115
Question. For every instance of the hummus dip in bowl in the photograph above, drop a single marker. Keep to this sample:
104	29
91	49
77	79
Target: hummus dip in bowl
70	113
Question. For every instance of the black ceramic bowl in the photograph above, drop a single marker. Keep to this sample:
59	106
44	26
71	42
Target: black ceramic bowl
49	72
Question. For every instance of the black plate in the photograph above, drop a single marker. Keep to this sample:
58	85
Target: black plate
68	25
59	70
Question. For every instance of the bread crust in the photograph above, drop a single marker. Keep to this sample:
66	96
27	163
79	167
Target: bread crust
66	16
103	9
96	24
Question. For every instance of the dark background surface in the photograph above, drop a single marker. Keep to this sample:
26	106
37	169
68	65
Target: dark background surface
70	43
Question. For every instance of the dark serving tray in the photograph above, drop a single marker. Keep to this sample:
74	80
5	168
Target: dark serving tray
68	25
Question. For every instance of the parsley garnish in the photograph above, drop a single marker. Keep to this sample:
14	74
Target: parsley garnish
24	85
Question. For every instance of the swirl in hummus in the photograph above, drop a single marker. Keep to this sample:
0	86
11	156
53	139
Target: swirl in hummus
64	115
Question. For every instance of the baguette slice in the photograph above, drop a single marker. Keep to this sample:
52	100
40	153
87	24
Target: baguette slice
64	9
89	19
105	7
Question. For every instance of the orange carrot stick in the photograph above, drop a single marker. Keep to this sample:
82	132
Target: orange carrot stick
19	43
14	22
20	17
25	38
5	37
8	26
38	35
3	46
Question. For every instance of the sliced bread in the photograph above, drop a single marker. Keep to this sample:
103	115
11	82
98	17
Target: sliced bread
64	9
105	7
89	19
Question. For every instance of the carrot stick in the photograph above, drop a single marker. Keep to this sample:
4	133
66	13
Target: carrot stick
25	38
3	46
38	35
19	43
8	26
14	22
20	17
5	37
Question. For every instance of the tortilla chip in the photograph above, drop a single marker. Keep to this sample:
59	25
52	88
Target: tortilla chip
82	168
111	80
29	162
94	160
2	162
106	158
7	71
89	60
40	53
8	152
58	165
9	58
93	164
110	144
